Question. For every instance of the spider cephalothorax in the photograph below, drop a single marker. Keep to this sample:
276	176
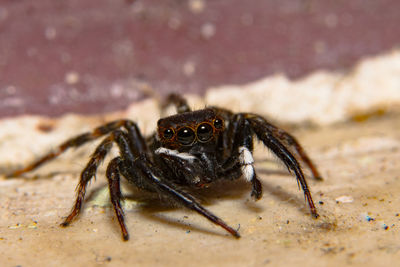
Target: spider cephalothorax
189	149
187	129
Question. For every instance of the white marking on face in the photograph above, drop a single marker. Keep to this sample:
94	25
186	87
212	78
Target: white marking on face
175	153
246	159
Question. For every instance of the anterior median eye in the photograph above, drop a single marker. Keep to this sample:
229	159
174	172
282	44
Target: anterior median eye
204	132
186	136
169	133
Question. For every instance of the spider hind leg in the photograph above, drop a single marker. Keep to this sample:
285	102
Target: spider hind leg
78	141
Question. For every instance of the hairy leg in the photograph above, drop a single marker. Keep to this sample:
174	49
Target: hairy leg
178	101
115	193
126	151
291	142
263	133
82	139
241	158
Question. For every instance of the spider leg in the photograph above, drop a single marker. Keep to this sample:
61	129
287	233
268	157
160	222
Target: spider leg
242	159
87	174
263	133
154	179
82	139
178	101
127	150
291	142
243	144
115	193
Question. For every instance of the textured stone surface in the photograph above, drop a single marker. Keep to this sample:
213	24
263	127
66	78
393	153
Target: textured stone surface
358	202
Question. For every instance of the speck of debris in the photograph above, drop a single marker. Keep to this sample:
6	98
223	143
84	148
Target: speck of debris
287	222
368	218
267	261
384	226
344	199
14	226
327	226
45	127
185	217
260	218
100	259
321	202
397	214
188	231
33	225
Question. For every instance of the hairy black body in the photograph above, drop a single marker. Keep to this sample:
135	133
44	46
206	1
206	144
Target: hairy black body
189	150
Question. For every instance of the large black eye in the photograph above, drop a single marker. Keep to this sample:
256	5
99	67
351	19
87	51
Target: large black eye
168	134
186	136
204	132
218	123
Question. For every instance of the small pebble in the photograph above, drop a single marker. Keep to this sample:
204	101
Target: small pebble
368	218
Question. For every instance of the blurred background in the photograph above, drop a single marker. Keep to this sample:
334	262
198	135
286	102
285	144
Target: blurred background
99	56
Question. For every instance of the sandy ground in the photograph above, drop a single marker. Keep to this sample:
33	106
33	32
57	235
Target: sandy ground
358	202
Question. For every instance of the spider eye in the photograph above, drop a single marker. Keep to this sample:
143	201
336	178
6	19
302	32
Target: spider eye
218	123
186	136
168	134
204	132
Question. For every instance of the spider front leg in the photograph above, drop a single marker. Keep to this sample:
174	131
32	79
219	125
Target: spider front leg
115	193
241	161
243	144
261	128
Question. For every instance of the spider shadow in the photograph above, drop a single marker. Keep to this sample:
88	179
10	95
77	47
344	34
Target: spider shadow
152	206
282	194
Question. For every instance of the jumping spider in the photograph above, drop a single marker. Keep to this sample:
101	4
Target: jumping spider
189	150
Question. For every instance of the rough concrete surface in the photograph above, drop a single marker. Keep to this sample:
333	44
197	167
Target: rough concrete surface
358	202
